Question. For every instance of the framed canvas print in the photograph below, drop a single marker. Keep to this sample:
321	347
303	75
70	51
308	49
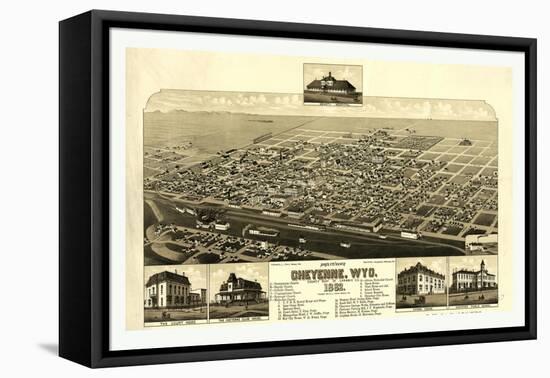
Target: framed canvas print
234	188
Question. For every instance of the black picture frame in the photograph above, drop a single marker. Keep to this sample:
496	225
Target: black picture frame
84	187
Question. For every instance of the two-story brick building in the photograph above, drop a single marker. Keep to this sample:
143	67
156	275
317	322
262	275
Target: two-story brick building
471	280
170	289
420	280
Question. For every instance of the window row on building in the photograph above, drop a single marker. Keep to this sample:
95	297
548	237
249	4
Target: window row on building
167	289
466	280
419	279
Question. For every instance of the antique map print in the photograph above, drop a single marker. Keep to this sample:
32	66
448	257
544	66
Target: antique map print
308	188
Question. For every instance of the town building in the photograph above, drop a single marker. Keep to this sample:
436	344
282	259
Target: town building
420	280
168	290
331	85
410	234
263	231
238	290
479	242
370	227
471	280
222	226
198	296
204	224
271	213
378	159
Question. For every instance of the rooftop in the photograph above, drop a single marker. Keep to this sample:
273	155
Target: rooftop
419	268
167	276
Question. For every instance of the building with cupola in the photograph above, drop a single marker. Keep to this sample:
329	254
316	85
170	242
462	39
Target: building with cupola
471	280
331	85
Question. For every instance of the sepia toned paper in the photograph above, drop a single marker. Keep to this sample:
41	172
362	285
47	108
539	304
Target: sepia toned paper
376	193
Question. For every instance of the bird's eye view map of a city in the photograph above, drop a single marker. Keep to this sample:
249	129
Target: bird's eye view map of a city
315	183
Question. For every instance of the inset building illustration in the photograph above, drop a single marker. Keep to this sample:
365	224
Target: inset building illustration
167	289
421	282
240	290
333	84
474	280
419	279
330	84
174	296
467	280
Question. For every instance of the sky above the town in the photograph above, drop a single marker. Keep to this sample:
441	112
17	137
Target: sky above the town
168	100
